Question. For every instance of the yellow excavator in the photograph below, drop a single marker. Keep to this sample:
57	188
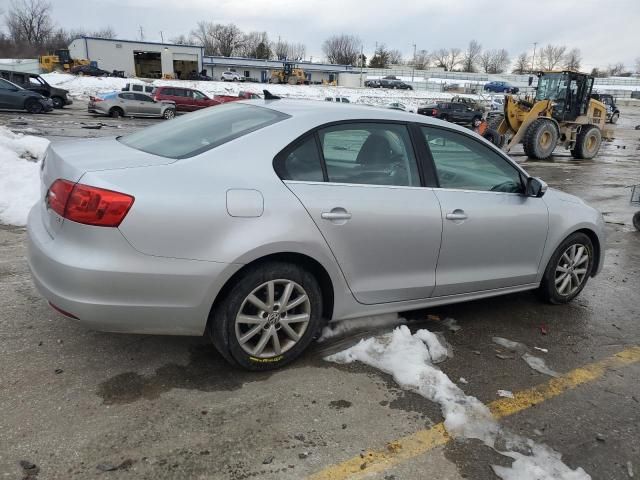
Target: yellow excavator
289	74
560	113
60	60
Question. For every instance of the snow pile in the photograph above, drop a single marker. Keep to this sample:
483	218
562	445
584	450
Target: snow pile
20	157
409	359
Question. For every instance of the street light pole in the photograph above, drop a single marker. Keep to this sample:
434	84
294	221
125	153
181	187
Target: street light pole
413	72
361	63
533	61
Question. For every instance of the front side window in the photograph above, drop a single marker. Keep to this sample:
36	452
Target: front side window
127	96
198	95
369	153
142	97
465	164
200	131
301	163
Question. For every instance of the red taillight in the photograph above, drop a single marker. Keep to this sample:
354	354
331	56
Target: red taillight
434	112
89	205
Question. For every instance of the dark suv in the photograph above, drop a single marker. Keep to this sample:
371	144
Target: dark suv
387	83
35	83
455	112
613	113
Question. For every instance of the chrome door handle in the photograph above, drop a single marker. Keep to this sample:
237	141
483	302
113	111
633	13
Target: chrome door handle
335	215
457	215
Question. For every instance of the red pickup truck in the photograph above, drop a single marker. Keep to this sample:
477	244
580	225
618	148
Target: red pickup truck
241	96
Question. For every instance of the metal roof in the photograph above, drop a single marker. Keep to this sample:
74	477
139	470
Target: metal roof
268	64
117	40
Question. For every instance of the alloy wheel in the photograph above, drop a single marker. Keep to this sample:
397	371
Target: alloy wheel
272	318
572	269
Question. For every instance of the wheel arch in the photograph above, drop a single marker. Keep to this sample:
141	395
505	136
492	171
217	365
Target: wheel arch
597	248
116	107
308	262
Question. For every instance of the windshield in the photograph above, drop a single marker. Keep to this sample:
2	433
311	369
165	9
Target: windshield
200	131
552	87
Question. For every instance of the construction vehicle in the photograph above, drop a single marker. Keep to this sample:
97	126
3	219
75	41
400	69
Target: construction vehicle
561	113
289	74
60	60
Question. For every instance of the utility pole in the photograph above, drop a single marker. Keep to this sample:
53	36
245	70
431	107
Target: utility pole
361	63
161	37
413	72
141	34
533	61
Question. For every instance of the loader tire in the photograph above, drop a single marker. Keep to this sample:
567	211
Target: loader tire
588	143
540	139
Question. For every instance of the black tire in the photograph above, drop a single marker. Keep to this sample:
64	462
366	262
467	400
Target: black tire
116	112
444	117
587	143
548	290
169	113
222	322
33	106
636	220
58	102
614	118
494	137
494	121
540	139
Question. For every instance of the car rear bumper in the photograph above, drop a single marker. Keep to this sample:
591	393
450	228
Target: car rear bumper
94	274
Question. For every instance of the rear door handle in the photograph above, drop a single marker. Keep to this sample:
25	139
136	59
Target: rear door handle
335	215
457	214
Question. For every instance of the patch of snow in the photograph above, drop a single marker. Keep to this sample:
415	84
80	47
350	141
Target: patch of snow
505	393
508	344
451	324
408	358
362	323
20	157
463	380
539	365
543	350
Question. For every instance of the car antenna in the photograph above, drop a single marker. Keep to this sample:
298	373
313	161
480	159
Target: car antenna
270	96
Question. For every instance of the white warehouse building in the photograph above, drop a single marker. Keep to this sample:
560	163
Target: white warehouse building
139	59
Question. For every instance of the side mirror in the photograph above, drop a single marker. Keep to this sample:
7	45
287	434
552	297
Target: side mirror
535	187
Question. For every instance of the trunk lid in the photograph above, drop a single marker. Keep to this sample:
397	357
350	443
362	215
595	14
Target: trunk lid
71	160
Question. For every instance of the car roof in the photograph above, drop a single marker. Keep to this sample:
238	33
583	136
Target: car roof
317	113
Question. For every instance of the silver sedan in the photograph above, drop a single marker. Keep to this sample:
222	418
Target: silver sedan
131	104
259	221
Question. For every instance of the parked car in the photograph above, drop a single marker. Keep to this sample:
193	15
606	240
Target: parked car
613	112
399	106
89	70
35	83
241	96
372	83
130	104
14	97
500	87
256	222
455	112
185	99
384	83
231	77
139	87
202	76
337	99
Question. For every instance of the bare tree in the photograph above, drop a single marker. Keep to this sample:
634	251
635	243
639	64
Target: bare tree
202	35
551	56
422	60
296	51
281	49
180	40
29	21
471	56
342	49
573	59
228	38
447	58
617	69
522	64
395	57
381	57
494	61
106	32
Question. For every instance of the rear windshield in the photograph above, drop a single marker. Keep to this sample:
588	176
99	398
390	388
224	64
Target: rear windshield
203	130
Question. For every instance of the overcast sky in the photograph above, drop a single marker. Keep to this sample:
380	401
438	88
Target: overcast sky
605	31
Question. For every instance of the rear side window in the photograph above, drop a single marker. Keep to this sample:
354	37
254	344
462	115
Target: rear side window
136	88
200	131
302	162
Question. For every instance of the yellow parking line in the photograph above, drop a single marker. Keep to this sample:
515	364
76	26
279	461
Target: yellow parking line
422	441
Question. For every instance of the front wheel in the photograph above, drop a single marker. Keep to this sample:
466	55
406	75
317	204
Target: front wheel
636	220
169	113
33	106
568	269
57	102
587	143
269	317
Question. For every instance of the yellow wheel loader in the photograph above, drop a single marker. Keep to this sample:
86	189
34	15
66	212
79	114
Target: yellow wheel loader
561	113
289	74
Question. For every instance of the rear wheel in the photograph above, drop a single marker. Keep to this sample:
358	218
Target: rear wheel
587	143
568	269
269	317
444	117
540	139
636	220
494	137
57	102
33	106
116	112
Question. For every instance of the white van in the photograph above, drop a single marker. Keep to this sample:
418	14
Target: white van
138	87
